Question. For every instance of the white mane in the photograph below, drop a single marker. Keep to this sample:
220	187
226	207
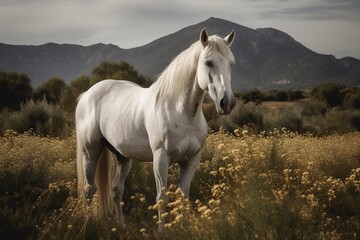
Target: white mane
181	72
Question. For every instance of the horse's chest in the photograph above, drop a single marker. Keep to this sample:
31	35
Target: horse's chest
184	144
186	150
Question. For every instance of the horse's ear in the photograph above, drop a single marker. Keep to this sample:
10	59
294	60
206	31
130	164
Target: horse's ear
204	37
230	38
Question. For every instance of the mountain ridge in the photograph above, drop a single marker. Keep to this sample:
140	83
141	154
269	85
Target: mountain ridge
266	58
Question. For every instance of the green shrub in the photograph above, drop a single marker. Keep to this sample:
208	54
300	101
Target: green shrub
335	120
244	114
355	120
312	108
287	117
331	93
43	118
352	99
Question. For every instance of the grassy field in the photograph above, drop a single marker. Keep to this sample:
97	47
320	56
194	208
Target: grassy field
278	185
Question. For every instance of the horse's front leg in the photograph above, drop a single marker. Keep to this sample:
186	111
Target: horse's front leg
187	171
161	164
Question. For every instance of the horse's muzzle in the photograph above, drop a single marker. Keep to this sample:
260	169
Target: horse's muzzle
227	105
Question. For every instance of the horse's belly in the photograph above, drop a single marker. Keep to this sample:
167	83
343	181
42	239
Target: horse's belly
140	151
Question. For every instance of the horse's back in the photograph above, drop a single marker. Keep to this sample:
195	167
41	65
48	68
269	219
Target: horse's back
101	99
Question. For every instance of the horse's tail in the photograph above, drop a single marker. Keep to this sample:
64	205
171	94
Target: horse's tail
80	170
103	178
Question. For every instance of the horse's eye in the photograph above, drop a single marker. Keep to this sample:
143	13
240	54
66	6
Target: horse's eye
209	64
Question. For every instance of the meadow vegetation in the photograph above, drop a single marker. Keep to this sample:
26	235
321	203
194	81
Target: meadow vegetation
306	116
274	185
288	169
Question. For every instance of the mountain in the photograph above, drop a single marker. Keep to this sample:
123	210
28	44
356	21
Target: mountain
266	58
66	61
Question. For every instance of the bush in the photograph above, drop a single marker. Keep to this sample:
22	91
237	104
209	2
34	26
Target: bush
331	93
334	121
352	99
287	117
310	115
312	108
43	118
245	114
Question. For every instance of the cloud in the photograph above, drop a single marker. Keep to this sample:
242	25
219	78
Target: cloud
346	10
137	22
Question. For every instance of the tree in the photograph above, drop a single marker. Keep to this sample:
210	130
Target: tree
294	95
105	70
80	85
281	96
73	91
15	88
119	71
352	99
51	90
330	93
253	96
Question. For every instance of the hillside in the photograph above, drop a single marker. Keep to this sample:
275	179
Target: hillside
266	58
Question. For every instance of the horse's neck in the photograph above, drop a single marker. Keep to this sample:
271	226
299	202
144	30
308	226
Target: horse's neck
184	92
193	98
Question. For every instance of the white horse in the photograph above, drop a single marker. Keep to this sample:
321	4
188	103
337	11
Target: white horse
163	123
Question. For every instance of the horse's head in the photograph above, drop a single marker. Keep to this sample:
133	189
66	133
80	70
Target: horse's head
214	70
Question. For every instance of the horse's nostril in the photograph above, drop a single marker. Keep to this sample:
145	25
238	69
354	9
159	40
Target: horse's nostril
223	103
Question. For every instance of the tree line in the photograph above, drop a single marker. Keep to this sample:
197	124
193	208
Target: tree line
16	89
332	94
48	109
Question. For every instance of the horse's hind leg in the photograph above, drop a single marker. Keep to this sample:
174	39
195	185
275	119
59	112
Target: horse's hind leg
122	171
91	155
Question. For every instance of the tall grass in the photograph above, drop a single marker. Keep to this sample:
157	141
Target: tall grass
305	116
302	117
275	185
28	165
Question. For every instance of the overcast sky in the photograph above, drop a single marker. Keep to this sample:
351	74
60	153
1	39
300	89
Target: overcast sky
325	26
